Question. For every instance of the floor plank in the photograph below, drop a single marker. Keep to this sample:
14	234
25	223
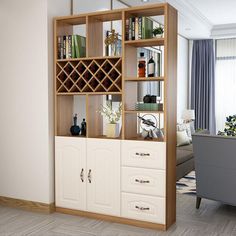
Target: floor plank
212	219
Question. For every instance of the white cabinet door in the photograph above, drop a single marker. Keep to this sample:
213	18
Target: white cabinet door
103	168
70	162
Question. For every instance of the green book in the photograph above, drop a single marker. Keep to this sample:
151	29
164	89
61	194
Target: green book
82	46
147	27
73	47
79	46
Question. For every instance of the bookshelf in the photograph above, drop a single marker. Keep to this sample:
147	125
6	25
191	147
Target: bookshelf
95	76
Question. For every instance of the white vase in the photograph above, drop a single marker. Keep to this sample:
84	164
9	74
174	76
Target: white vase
112	130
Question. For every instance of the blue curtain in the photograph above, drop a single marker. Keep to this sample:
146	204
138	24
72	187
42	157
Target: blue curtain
203	84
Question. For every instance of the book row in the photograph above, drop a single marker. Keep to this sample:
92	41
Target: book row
71	46
138	28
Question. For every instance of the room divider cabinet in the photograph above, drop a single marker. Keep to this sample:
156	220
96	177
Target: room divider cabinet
128	179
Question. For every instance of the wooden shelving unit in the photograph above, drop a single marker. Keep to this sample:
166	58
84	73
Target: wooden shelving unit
95	76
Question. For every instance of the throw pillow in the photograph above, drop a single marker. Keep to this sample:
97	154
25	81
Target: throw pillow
182	138
187	128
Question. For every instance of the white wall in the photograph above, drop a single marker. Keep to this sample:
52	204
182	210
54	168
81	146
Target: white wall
26	156
182	76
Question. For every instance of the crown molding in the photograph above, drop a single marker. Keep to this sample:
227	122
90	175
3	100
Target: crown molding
224	30
188	11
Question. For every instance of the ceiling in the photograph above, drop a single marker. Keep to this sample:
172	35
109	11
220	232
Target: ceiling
201	18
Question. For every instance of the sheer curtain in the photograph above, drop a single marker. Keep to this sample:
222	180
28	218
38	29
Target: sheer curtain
225	81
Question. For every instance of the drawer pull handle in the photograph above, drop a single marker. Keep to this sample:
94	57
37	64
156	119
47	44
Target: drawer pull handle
142	208
89	176
142	181
142	154
82	175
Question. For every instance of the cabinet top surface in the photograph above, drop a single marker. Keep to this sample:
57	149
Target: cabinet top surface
147	10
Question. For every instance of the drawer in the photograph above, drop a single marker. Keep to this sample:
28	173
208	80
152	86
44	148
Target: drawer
144	181
145	208
144	154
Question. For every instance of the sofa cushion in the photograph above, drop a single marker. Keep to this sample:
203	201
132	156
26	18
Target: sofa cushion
186	147
183	156
182	138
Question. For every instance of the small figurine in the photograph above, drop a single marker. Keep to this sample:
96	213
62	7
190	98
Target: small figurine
83	128
75	129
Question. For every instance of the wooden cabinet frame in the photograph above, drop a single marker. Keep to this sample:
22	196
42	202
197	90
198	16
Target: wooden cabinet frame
125	87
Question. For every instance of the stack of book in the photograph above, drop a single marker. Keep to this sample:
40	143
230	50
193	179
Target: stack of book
138	28
71	46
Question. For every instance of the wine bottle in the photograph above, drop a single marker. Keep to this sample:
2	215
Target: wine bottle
151	67
141	65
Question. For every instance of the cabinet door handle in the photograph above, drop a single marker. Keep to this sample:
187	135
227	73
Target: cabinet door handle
142	208
142	181
142	154
82	175
89	176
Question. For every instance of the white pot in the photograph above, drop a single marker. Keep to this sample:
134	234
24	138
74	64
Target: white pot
112	130
159	36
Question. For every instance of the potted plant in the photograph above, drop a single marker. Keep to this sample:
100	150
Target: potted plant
158	32
113	116
230	127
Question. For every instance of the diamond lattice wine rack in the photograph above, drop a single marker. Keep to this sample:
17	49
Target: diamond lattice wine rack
89	75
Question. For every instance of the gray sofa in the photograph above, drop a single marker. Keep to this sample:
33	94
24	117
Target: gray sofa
184	161
215	165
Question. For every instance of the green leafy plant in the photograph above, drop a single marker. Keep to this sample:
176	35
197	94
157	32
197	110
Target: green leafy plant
113	116
158	31
230	127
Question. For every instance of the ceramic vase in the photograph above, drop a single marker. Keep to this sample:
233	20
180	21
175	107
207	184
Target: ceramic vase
112	130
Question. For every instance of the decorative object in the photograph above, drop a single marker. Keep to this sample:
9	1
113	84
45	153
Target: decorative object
158	32
118	46
149	128
141	65
150	98
230	127
112	130
111	40
83	127
75	129
113	117
147	98
153	99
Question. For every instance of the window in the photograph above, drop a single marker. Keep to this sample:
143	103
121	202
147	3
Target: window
225	81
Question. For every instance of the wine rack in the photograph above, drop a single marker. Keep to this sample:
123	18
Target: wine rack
89	75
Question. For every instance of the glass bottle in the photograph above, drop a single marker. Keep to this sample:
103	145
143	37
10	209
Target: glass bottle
141	65
151	67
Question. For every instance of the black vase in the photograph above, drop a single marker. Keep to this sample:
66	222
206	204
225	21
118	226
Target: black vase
75	129
147	98
83	128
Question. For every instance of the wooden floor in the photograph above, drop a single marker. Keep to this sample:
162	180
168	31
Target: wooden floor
212	219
